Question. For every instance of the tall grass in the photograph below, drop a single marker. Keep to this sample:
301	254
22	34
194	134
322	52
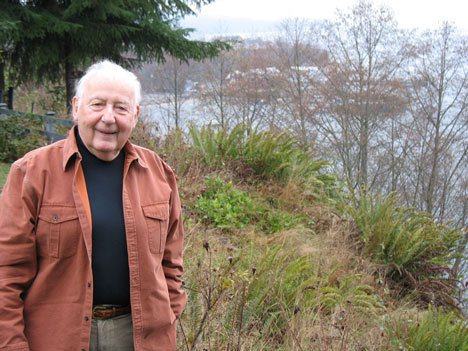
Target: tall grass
266	296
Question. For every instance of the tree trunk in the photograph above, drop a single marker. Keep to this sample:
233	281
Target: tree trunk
437	126
176	94
70	76
69	84
221	98
2	82
363	146
11	91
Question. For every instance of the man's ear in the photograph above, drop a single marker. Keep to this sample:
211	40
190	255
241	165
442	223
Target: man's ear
137	115
75	102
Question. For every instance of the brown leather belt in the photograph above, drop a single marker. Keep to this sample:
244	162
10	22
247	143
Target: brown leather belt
106	312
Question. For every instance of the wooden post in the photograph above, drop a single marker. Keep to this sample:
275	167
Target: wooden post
10	98
49	125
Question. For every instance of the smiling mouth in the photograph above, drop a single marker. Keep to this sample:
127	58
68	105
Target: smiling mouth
106	133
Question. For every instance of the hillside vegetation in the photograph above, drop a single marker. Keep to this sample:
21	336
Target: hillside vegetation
278	257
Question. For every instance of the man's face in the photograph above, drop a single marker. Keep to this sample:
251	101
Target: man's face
106	115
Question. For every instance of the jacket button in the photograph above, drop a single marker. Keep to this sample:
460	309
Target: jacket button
86	318
88	284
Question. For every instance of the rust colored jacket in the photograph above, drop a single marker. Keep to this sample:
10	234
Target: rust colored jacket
46	292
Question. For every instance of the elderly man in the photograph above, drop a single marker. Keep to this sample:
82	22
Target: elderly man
91	234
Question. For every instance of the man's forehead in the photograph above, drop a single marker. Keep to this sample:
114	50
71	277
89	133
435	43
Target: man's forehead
106	88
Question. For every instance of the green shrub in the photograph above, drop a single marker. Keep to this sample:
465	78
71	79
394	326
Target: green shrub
18	135
270	156
273	221
433	330
257	291
264	156
228	208
224	206
402	237
276	290
348	293
214	147
416	250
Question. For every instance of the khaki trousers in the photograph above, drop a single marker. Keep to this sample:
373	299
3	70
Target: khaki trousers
113	334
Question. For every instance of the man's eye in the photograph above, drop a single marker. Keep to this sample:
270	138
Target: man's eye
121	109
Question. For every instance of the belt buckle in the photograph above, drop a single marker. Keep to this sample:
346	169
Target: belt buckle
109	311
102	308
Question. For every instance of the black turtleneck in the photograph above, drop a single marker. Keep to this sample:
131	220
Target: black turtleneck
104	180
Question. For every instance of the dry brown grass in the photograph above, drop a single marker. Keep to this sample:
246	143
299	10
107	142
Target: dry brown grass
330	245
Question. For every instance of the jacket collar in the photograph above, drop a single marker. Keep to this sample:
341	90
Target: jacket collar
131	154
70	149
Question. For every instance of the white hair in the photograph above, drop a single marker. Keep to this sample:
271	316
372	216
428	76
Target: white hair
111	70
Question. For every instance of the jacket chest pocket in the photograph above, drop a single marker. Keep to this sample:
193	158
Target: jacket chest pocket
58	231
156	217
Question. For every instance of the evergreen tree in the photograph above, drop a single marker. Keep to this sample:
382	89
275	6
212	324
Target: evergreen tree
57	38
9	33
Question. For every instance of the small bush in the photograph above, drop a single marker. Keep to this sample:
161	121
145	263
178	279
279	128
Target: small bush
416	250
274	221
433	330
19	134
277	289
228	208
348	293
224	206
214	147
263	156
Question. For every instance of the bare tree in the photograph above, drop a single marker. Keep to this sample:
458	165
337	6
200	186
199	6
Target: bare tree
212	90
168	92
250	92
361	87
298	98
439	97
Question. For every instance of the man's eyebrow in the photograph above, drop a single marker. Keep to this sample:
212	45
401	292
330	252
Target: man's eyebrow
94	98
119	102
99	98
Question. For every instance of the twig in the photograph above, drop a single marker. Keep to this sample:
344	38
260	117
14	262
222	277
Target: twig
183	334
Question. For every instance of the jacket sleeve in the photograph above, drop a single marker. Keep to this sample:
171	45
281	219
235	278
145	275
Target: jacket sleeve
18	261
172	263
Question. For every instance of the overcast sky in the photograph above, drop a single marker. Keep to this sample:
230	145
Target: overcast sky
228	16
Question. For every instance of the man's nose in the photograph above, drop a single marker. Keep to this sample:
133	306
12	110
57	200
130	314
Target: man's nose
108	114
